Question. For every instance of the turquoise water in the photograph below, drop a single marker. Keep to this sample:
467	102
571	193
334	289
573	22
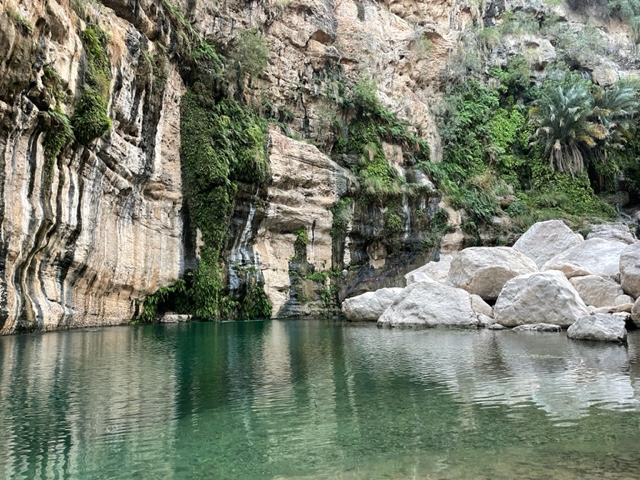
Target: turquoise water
316	399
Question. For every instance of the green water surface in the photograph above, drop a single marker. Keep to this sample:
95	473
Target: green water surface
316	399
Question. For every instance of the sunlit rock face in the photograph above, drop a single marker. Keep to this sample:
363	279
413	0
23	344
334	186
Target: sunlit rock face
89	234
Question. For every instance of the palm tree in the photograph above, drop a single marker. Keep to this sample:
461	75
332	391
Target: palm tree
616	109
563	116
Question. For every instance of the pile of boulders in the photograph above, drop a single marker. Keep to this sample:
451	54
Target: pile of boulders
551	278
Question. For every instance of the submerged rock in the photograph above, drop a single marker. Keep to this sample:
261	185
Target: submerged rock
369	306
599	327
485	270
545	240
538	327
430	305
546	297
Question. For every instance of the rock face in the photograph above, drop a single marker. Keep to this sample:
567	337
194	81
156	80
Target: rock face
541	297
371	305
630	270
426	304
305	184
599	256
87	235
600	327
597	291
484	270
545	240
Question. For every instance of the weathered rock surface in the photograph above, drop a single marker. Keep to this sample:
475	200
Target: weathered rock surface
599	256
545	240
85	243
630	270
599	327
612	231
623	308
484	270
538	327
540	297
635	313
432	271
597	291
371	305
426	304
305	184
570	269
480	306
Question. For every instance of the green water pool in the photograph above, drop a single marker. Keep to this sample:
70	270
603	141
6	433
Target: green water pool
316	400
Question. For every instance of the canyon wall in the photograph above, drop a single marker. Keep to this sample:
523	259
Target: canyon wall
92	227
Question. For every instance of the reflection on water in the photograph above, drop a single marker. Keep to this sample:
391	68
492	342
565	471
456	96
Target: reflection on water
316	400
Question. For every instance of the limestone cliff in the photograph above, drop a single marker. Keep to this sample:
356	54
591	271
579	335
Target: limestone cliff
93	210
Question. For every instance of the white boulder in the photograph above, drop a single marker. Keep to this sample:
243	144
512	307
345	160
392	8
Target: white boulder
540	297
570	269
630	270
597	291
613	231
484	270
426	304
545	240
599	256
600	327
480	306
369	306
432	271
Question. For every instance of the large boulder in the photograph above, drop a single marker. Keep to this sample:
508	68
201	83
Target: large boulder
599	256
545	240
432	271
597	291
540	297
630	270
426	304
369	306
612	231
480	306
600	327
484	270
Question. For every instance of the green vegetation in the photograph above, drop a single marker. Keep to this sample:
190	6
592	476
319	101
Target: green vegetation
372	124
23	24
90	118
222	144
550	144
250	54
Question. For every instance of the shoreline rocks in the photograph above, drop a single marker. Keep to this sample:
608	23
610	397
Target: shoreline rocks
484	270
579	287
599	327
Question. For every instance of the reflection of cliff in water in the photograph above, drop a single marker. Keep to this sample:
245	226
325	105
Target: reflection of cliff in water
562	377
81	401
289	399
